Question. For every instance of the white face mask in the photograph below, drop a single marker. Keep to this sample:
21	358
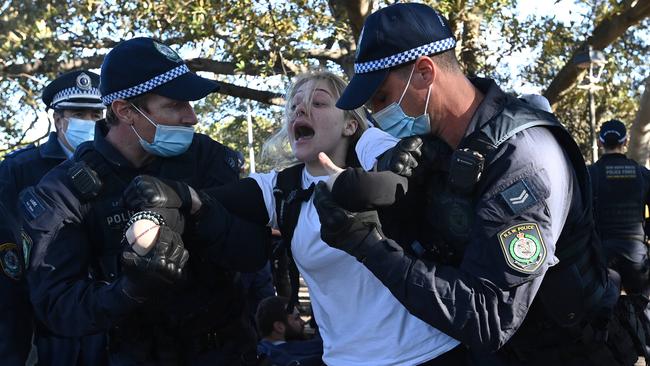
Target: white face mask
393	120
168	140
79	130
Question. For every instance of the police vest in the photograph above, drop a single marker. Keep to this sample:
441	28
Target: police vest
573	288
619	202
211	295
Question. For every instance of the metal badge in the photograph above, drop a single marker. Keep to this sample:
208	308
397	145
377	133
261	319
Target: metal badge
167	52
84	82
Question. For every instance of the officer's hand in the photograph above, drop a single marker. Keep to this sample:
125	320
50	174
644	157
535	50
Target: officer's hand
145	192
402	158
345	230
161	266
414	155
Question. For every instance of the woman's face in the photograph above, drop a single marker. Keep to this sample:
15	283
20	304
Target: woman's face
324	129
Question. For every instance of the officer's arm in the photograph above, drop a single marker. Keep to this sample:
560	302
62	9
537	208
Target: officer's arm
359	190
15	324
242	198
229	240
64	297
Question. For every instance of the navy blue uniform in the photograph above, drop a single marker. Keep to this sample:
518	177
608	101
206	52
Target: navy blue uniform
621	191
530	205
20	169
75	277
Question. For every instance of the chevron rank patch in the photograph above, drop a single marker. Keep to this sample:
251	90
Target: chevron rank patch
10	261
523	247
518	197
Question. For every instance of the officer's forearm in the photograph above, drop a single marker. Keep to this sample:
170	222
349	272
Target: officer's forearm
474	311
242	198
358	190
230	241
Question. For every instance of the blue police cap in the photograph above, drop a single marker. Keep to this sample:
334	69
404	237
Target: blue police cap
392	36
73	90
144	65
612	132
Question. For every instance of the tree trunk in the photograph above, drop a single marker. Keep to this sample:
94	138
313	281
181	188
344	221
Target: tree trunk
352	13
607	31
639	149
471	41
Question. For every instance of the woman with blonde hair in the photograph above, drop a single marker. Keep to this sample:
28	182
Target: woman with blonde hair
360	321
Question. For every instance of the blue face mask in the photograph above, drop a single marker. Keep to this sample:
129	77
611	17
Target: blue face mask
168	140
79	130
393	120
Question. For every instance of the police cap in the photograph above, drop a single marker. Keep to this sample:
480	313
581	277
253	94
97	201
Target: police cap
390	37
612	132
73	90
143	65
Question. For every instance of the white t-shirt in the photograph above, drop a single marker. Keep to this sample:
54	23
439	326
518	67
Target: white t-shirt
372	143
360	321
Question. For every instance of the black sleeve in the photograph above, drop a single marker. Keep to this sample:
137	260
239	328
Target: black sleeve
358	190
243	198
231	241
233	233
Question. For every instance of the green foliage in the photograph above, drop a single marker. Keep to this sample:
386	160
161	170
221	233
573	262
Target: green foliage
261	44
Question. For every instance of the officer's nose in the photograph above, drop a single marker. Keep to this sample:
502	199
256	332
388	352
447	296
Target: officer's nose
189	116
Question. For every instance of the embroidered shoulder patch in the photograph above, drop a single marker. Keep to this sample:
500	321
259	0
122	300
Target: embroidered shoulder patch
518	197
10	261
523	247
32	204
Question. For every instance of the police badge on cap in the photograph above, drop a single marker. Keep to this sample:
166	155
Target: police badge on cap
74	90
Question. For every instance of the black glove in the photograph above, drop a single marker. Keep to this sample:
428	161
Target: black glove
161	267
402	158
146	192
414	155
351	232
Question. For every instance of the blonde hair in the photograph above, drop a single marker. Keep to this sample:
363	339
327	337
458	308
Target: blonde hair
277	149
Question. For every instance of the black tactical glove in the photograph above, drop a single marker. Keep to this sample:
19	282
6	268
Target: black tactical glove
351	232
145	192
415	154
161	267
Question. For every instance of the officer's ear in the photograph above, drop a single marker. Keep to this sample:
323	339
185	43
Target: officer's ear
123	110
279	327
59	121
424	73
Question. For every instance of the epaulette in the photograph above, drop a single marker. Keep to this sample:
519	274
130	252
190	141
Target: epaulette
21	150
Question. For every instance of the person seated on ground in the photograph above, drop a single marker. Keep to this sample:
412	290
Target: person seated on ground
283	335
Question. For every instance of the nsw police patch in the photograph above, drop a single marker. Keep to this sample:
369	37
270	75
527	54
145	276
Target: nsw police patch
523	247
10	261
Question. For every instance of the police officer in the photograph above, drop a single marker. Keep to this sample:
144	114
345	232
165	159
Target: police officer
621	191
75	100
510	265
84	280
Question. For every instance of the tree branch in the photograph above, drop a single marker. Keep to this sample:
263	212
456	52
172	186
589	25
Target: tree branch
261	96
606	32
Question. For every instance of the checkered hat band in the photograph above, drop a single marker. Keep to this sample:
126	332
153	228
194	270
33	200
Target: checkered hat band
406	56
147	85
76	93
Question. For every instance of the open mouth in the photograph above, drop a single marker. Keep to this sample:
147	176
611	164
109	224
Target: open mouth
302	131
